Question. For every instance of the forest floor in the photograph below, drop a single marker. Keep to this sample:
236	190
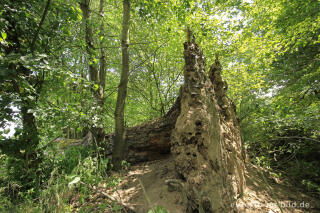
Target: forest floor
144	187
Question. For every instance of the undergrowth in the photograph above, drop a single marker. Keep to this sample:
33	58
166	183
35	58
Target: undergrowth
67	180
291	161
61	176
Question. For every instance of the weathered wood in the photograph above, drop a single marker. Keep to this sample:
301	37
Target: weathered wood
201	132
206	142
150	140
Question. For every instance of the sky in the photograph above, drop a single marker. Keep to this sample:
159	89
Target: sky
10	125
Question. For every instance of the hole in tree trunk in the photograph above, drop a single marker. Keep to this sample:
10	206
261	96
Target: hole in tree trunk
198	123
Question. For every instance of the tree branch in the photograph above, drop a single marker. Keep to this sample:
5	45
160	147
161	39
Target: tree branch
297	137
45	12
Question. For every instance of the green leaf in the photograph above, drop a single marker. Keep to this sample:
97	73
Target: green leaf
4	35
158	209
95	87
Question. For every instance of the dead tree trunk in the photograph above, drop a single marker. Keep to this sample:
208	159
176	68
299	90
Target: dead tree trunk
206	142
202	132
150	140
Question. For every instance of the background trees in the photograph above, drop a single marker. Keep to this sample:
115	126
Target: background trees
279	51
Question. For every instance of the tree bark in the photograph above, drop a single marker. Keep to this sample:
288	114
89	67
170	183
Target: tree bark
96	129
102	69
150	140
206	142
30	138
119	137
93	71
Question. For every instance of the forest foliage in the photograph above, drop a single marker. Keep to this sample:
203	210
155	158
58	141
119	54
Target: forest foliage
269	51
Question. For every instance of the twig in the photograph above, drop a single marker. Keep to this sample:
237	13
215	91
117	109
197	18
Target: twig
116	201
297	137
145	195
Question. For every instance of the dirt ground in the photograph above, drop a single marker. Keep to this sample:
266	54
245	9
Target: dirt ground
144	187
151	176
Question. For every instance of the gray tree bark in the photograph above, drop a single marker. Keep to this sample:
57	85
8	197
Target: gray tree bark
119	137
93	71
97	131
102	69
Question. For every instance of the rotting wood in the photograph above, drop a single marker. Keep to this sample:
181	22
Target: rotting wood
206	143
150	140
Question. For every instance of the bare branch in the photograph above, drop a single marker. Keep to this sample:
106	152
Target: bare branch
297	137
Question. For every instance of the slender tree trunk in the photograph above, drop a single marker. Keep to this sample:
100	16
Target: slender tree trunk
157	82
30	138
119	138
96	77
93	71
102	72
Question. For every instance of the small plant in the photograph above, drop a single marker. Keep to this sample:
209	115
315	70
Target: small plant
71	158
158	209
311	186
125	165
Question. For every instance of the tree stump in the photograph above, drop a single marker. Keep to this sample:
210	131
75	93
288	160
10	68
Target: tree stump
206	142
202	133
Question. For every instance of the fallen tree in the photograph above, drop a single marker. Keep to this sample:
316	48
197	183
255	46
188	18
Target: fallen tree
150	140
202	133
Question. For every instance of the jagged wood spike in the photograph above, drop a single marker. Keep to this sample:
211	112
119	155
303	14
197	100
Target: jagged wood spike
202	133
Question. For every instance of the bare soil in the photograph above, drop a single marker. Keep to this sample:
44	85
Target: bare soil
262	194
144	186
